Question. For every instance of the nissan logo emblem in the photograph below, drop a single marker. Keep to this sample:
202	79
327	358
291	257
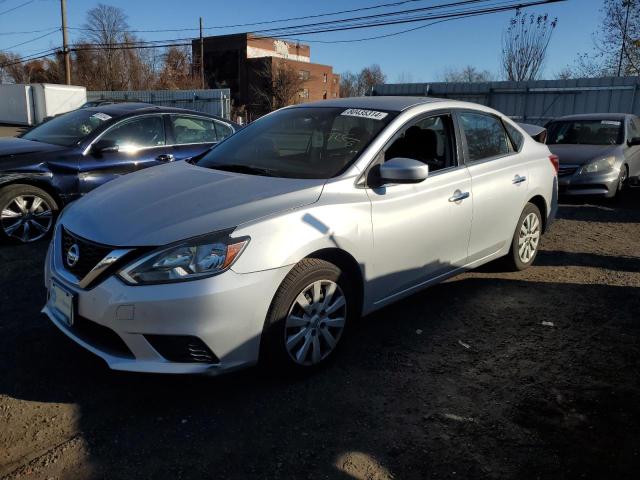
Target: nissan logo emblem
73	255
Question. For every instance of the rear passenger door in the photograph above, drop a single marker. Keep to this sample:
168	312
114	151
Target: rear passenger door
192	134
499	182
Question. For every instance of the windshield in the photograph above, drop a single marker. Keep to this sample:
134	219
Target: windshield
68	129
303	142
586	132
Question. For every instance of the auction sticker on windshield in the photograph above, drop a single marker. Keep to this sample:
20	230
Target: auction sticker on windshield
101	116
359	112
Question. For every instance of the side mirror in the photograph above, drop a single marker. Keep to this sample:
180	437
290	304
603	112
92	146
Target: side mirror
104	146
403	170
633	142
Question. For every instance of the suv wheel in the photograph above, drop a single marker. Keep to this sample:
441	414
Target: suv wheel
308	315
28	213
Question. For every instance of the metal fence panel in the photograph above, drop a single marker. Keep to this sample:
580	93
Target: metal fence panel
212	101
534	101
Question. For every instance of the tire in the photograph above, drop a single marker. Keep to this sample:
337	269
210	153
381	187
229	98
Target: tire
530	228
303	339
28	214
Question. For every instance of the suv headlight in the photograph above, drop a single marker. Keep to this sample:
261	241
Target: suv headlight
191	259
599	165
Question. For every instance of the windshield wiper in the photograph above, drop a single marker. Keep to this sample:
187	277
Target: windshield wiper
239	168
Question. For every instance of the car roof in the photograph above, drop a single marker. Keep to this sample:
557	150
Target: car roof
595	116
125	108
394	104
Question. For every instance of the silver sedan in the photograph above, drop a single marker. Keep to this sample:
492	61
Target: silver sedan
269	246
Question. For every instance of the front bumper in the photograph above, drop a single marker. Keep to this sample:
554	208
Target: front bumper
226	312
601	184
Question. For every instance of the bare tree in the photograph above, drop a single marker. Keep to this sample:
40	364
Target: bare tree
46	70
348	84
616	43
524	45
566	73
468	74
356	85
370	77
277	85
176	71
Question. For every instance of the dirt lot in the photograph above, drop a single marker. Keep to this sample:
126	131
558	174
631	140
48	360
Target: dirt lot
461	381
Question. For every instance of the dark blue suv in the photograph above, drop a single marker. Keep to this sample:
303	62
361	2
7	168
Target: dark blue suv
69	155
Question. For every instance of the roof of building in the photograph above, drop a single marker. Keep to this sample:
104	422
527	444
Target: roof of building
596	116
397	104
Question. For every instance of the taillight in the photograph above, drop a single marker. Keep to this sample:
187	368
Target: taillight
555	161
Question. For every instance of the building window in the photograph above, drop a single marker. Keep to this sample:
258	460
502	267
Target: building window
324	78
304	93
335	95
304	74
324	95
335	80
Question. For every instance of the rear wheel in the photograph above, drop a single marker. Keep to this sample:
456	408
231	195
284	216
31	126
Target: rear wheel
308	316
28	213
526	238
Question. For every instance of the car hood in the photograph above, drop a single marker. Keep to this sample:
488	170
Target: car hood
581	154
11	147
164	204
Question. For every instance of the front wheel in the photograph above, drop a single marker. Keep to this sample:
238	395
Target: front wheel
308	316
28	213
526	239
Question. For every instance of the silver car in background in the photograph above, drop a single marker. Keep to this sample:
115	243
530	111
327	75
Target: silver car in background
598	153
269	245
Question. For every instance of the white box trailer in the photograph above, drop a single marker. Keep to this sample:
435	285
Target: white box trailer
30	104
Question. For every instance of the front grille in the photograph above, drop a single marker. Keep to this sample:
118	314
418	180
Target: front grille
565	170
89	256
100	337
182	348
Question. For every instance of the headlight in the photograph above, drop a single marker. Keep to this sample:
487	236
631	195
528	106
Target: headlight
599	165
189	260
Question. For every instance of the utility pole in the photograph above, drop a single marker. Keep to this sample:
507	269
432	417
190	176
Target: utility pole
65	45
201	57
624	37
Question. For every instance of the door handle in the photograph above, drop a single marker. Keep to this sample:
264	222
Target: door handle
458	196
518	179
165	157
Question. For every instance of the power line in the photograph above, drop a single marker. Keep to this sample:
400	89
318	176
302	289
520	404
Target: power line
266	22
33	39
17	7
446	16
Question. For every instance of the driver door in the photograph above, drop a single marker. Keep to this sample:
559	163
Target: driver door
421	230
138	143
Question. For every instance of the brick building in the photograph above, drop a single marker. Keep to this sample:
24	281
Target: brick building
242	61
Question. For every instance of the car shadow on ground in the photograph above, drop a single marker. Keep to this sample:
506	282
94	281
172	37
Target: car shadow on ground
462	380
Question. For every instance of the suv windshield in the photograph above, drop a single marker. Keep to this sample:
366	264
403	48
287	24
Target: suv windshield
67	129
301	142
585	132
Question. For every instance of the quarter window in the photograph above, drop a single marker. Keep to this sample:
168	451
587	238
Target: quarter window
517	139
485	136
193	130
138	133
223	131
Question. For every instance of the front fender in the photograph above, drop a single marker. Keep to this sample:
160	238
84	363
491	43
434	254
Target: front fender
340	219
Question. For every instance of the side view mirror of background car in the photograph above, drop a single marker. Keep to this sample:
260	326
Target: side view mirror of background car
634	141
403	170
104	146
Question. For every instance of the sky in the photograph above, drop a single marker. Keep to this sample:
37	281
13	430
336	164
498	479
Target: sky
419	56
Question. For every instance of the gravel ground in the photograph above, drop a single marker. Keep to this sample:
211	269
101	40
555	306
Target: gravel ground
463	380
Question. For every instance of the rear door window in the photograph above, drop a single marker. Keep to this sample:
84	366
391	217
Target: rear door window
188	130
485	136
